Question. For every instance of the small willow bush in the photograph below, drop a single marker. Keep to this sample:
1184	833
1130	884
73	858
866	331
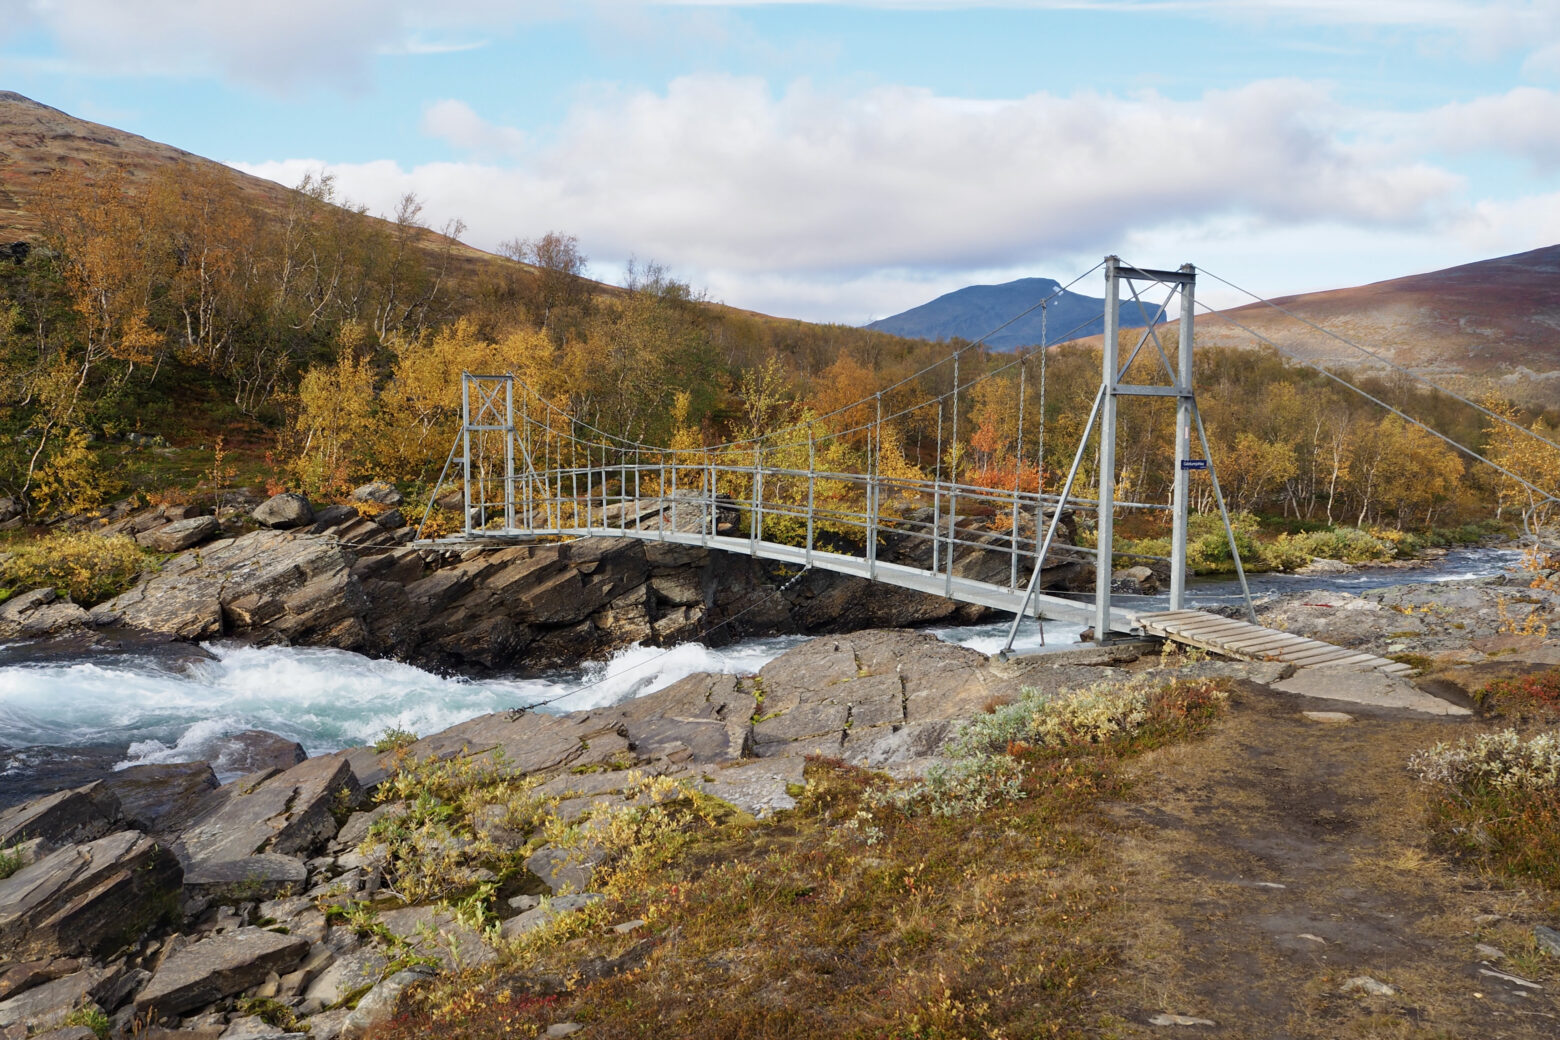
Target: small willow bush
987	751
1497	802
88	567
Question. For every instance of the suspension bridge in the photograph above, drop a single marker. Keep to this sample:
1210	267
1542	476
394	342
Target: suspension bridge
845	493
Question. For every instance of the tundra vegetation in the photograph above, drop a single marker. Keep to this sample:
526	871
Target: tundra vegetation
973	903
162	337
1496	801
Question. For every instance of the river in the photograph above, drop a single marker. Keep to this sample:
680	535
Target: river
63	719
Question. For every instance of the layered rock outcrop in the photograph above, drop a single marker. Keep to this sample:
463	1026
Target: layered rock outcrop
186	906
350	582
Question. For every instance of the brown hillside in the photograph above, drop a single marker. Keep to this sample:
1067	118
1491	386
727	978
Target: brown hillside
36	140
1495	319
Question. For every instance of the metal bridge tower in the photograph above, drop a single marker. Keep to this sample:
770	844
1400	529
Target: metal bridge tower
1182	284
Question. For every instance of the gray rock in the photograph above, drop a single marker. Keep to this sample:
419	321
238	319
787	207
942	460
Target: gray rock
39	613
78	815
540	915
218	967
88	898
256	749
391	520
265	875
149	793
67	1033
379	492
435	932
351	973
1548	940
760	788
327	1025
562	1029
565	870
289	813
288	509
1369	986
1171	1019
180	534
44	1007
378	1005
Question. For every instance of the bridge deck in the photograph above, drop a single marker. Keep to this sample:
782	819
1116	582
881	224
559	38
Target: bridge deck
1251	642
936	583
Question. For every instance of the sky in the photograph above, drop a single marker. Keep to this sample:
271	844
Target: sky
843	162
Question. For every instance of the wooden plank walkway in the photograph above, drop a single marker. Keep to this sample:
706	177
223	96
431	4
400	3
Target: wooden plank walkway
1250	642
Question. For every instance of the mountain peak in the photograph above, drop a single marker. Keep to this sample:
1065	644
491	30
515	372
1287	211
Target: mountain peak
974	311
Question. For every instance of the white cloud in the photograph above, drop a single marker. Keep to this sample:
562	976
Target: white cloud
1524	122
276	44
455	123
804	201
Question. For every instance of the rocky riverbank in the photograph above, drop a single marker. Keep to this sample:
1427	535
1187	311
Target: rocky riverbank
342	579
158	900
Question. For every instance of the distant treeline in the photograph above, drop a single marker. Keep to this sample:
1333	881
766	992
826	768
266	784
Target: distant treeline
342	338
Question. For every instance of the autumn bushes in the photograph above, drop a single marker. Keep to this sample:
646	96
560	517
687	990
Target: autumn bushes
1495	798
89	567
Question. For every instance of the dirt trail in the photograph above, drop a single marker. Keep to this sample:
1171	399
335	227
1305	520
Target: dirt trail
1278	858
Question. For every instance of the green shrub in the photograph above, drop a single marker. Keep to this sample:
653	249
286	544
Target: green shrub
92	1017
1498	802
72	480
10	861
984	752
394	738
88	567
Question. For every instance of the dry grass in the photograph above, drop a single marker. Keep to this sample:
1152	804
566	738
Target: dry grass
861	913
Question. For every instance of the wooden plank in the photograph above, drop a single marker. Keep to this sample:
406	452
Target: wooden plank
1331	657
1208	629
1272	644
1309	655
1369	662
1262	641
1172	615
1204	624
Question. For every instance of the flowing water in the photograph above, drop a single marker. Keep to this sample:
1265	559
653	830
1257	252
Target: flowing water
65	718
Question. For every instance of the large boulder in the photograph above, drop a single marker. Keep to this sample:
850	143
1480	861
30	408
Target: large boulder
288	509
380	493
39	613
211	969
181	534
88	898
46	1007
270	585
149	792
78	815
289	813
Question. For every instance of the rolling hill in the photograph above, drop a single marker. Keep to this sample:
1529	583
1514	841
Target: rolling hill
1490	321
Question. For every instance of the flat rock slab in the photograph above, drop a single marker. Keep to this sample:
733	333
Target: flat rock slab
354	972
88	898
1367	688
150	792
1331	718
537	916
78	815
46	1006
181	534
761	788
531	742
207	971
266	875
436	933
289	813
